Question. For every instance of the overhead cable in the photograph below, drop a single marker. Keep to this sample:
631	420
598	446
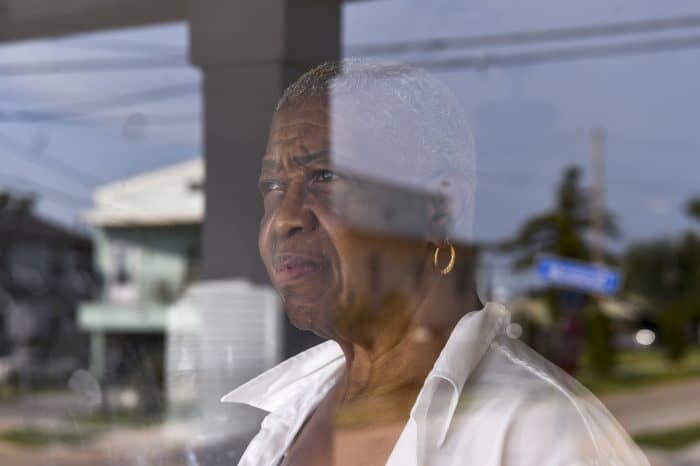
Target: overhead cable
529	37
91	65
26	152
52	193
120	46
560	54
100	105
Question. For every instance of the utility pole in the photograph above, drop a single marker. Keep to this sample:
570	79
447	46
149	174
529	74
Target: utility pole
597	192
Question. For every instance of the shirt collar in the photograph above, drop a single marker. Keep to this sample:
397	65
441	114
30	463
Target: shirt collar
463	351
285	384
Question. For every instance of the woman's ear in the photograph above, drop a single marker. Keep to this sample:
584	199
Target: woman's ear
465	201
439	219
452	215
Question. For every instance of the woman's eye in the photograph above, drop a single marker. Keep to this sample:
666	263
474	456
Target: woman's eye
270	185
325	176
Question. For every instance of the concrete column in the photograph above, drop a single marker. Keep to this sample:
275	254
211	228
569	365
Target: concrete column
98	348
249	51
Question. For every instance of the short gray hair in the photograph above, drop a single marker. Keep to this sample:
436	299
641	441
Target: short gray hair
403	103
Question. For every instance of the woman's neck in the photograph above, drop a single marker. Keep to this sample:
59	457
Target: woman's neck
396	363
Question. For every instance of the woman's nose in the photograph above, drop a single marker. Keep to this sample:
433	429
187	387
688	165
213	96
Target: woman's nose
294	215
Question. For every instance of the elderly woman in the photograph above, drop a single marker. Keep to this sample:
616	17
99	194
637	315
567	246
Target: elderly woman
368	187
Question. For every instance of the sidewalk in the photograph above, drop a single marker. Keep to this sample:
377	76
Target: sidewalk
657	408
649	409
660	408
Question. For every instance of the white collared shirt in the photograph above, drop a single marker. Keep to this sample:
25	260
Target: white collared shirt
488	401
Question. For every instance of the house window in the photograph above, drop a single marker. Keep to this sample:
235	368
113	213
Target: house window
123	264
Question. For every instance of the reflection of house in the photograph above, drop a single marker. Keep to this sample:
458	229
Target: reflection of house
45	270
147	235
219	335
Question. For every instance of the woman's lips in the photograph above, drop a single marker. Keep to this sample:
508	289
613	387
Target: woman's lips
293	267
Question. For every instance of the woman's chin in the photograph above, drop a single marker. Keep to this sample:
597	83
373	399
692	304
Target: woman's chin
308	312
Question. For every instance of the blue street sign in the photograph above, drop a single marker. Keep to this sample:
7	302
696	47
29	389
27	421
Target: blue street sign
583	276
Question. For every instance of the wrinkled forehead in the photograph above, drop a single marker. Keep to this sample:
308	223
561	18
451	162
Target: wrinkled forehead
298	125
355	137
321	136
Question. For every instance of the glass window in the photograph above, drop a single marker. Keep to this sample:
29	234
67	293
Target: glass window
349	232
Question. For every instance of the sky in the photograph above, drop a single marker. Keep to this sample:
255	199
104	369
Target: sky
529	122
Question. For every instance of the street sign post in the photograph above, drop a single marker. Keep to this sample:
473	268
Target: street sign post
569	273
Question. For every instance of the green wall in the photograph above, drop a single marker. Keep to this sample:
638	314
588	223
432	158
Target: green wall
160	260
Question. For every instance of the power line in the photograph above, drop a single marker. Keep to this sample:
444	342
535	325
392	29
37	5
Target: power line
21	150
91	65
530	37
560	54
415	46
150	119
100	105
119	45
514	180
56	195
180	118
477	62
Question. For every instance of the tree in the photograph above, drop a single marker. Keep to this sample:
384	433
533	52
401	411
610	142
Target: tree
599	339
667	273
17	204
693	208
563	229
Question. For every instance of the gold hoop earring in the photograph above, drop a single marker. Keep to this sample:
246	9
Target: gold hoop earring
450	265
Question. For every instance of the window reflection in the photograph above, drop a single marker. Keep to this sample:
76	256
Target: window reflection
403	305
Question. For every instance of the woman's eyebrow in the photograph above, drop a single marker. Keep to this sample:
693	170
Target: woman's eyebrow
302	160
271	165
308	159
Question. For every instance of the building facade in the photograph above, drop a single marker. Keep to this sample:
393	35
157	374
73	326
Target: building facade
45	270
147	236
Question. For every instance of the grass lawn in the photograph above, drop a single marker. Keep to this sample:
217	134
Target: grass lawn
131	418
641	369
672	439
8	392
80	429
36	437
